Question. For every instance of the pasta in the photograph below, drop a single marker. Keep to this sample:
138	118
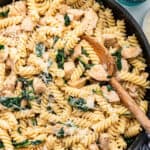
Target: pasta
54	91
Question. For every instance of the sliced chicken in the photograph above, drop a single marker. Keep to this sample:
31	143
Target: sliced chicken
68	68
77	51
98	73
131	52
93	147
111	95
10	82
27	24
39	86
125	65
18	9
90	102
104	141
78	83
89	22
76	13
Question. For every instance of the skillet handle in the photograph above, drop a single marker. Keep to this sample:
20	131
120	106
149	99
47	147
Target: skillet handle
131	105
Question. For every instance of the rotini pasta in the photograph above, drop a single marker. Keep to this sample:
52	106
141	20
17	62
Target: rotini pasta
54	91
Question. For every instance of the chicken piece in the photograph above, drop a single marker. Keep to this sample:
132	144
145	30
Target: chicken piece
8	64
7	93
104	141
39	86
90	102
93	147
18	8
12	31
79	83
125	65
131	52
111	95
10	82
98	73
68	68
89	22
77	51
4	54
76	13
27	24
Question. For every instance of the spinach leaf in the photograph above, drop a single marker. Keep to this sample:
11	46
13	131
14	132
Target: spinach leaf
1	145
46	77
67	20
25	82
60	133
36	142
21	144
109	88
40	49
28	94
84	51
4	13
34	121
2	47
60	58
56	38
118	59
78	103
11	102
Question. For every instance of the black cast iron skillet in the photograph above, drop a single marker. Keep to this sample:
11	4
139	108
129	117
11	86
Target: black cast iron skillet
132	27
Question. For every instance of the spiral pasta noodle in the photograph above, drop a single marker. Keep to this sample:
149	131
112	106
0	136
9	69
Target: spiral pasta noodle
54	90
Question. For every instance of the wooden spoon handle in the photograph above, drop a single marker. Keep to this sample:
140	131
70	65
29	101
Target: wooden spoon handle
131	104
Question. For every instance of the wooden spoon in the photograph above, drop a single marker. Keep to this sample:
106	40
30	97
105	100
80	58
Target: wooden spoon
107	59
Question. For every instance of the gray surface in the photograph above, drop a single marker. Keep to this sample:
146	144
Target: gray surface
139	11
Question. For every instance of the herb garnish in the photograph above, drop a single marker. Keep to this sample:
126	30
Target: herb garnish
60	133
78	103
67	20
118	59
60	58
36	142
40	49
4	13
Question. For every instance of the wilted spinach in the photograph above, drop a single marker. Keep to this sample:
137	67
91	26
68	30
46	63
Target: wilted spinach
4	13
60	58
129	141
26	143
79	103
25	82
84	51
40	49
1	145
36	142
67	20
21	144
11	102
28	94
109	88
118	59
2	47
86	66
60	133
46	77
